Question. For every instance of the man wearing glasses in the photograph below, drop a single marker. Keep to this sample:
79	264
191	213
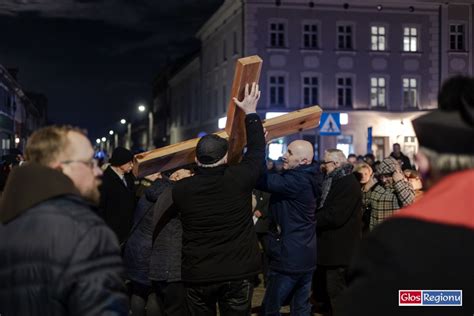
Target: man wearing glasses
338	224
58	257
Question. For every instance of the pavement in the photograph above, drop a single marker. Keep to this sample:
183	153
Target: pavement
257	299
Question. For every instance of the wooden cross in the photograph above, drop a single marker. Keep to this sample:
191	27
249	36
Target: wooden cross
247	71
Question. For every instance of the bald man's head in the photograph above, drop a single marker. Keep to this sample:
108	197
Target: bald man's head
300	152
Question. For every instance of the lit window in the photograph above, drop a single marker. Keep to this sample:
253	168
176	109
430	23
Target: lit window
410	39
378	38
410	92
378	92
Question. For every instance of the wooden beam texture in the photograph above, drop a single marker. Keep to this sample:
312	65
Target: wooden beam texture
247	71
183	153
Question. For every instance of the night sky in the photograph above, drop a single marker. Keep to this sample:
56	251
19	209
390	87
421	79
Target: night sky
95	60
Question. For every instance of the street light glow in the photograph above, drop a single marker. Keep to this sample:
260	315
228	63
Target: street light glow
104	139
97	140
17	140
123	121
111	132
141	108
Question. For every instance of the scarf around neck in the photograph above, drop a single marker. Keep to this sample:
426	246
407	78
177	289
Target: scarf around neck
338	173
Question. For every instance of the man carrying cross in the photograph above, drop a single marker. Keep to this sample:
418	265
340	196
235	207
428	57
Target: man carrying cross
220	255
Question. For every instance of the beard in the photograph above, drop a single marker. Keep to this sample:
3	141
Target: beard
93	194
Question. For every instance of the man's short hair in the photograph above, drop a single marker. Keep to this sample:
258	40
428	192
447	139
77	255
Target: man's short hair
47	143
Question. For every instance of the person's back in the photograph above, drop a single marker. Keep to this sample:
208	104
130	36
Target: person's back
217	228
58	256
220	253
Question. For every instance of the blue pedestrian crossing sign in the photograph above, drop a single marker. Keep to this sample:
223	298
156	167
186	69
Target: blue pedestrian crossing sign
330	124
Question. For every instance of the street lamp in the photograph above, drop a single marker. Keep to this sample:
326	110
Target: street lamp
142	108
111	132
128	139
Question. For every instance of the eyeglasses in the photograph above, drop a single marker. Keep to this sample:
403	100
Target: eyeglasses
326	162
92	163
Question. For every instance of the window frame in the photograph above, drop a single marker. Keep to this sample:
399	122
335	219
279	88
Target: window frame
410	36
384	88
284	33
417	90
285	76
378	36
345	24
457	34
311	87
311	33
345	87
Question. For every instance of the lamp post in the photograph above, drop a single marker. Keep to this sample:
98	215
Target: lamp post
115	135
149	144
128	138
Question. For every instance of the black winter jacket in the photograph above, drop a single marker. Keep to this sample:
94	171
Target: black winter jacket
291	243
339	221
219	240
57	256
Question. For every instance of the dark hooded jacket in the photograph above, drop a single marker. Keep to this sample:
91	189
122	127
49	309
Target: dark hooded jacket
291	242
57	256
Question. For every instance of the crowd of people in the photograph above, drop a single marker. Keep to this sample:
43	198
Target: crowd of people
338	236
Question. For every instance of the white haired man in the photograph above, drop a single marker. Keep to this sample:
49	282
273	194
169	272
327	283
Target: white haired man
338	223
